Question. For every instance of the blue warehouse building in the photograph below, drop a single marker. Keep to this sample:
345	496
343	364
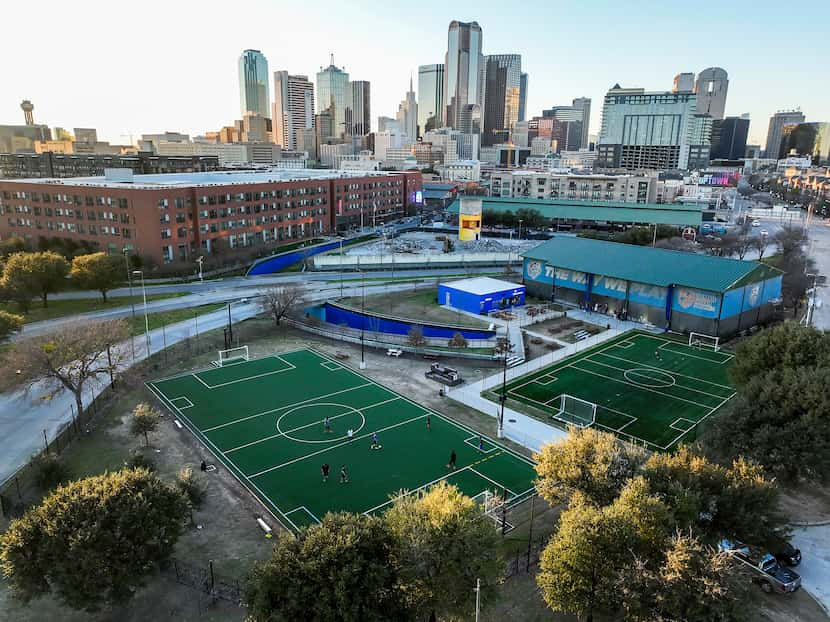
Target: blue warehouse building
481	295
675	290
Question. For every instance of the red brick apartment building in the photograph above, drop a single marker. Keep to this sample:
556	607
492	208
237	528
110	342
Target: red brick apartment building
174	218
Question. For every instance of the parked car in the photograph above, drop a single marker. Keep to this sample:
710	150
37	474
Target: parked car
783	551
764	569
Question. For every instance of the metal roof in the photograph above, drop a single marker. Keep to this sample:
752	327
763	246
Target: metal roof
650	213
653	266
482	285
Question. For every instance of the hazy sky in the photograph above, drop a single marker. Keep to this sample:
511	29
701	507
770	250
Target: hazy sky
149	66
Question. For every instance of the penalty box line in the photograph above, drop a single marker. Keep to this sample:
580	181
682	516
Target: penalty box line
290	367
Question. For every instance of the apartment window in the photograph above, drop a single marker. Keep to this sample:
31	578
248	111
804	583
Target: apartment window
163	203
122	203
165	234
89	201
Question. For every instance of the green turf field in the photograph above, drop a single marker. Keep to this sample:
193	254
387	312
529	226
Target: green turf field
263	419
642	398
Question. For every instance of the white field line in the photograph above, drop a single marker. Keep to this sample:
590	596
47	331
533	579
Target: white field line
675	373
273	410
290	367
312	424
492	481
304	509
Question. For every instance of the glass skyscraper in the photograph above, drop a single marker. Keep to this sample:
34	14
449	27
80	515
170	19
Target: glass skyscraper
430	97
462	70
253	84
334	96
502	87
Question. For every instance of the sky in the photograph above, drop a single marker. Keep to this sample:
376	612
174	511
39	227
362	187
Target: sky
150	66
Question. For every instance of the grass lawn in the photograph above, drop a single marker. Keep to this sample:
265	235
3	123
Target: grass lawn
164	318
72	306
420	305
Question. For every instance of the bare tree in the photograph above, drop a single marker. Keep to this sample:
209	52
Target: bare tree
743	244
277	302
459	341
415	336
761	243
69	357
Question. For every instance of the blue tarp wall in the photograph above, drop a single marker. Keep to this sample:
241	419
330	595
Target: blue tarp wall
275	263
338	315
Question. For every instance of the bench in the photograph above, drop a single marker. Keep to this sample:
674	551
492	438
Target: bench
581	334
396	352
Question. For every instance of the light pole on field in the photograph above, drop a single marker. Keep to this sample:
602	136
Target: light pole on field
132	302
146	319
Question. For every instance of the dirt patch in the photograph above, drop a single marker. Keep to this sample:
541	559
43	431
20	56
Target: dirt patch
807	504
564	328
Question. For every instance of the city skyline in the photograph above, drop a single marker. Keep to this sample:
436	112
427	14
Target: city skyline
206	96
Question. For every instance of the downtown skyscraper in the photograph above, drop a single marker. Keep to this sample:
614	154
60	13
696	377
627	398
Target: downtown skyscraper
293	110
430	97
502	97
333	97
254	96
358	109
463	69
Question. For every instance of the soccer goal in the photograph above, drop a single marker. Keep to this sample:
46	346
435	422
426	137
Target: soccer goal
699	340
493	507
575	411
232	355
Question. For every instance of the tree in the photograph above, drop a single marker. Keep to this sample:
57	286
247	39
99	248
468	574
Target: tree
69	357
29	274
145	420
98	271
761	243
579	568
458	341
92	541
415	336
342	569
780	419
192	488
692	583
444	545
714	500
786	346
9	323
589	461
277	302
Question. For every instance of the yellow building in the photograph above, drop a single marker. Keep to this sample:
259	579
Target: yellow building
469	219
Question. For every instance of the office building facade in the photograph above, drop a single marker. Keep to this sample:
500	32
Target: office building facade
293	110
729	138
594	187
333	97
254	94
430	97
463	67
646	130
775	132
808	139
711	87
502	89
407	115
359	111
523	98
584	104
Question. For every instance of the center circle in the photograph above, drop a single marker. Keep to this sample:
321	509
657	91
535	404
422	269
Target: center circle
345	411
659	379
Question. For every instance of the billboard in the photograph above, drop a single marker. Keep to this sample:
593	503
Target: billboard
696	302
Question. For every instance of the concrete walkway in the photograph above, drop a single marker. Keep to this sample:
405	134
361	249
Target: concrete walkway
814	569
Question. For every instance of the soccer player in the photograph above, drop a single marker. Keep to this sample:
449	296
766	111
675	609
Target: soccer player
375	444
350	434
451	464
327	425
480	444
325	471
344	477
657	355
429	423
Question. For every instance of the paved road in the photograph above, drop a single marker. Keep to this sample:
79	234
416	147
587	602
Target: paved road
25	416
814	543
819	249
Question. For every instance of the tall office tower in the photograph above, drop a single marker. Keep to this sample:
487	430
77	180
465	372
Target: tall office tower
502	87
469	119
684	83
729	138
253	83
807	139
523	98
463	66
775	132
641	130
333	97
408	114
430	97
293	110
584	104
710	88
358	111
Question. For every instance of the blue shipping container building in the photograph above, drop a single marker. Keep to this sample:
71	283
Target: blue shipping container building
481	295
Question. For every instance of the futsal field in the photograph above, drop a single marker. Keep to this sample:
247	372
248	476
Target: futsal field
642	397
263	419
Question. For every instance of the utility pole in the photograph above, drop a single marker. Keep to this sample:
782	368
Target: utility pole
132	302
230	327
478	599
363	321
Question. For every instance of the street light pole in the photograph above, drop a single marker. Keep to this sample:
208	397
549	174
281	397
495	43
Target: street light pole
132	302
363	321
146	319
